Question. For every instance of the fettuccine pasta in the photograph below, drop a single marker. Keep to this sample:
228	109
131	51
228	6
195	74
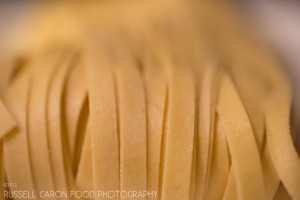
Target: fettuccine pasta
144	100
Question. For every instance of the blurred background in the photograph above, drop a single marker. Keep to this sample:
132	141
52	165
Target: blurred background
276	22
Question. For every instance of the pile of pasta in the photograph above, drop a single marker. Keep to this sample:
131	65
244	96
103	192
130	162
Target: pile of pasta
173	97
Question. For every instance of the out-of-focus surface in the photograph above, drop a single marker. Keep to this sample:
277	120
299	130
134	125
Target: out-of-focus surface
11	15
277	22
221	36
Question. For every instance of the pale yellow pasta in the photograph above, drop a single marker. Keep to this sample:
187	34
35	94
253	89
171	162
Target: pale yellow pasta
15	146
103	124
76	94
56	139
84	176
156	93
7	121
179	132
38	137
246	164
132	125
169	100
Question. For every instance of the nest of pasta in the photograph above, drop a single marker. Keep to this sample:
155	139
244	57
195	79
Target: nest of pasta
174	98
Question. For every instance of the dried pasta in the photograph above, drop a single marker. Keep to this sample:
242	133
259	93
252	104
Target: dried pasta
144	100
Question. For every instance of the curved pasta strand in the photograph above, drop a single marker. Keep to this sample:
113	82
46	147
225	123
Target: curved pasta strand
156	94
180	132
56	134
103	123
132	123
6	120
205	135
220	165
76	93
277	107
38	137
280	143
241	142
84	176
15	146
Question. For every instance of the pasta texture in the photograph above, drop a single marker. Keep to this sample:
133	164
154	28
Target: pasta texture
144	100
